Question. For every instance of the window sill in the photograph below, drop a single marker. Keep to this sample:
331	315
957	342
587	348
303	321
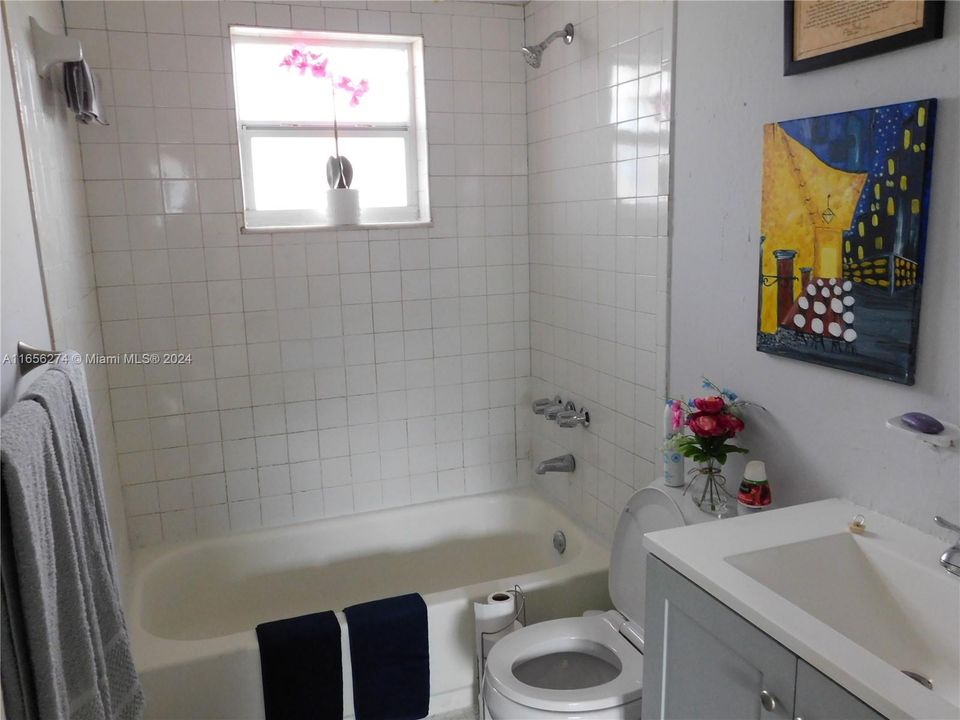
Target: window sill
244	230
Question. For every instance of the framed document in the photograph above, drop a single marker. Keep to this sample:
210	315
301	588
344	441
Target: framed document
820	33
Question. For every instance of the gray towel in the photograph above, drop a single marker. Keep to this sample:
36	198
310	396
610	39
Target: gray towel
69	653
81	92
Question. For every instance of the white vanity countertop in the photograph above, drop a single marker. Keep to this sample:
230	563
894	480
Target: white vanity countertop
704	553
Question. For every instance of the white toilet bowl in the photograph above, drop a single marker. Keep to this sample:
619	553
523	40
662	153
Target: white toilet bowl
580	667
584	667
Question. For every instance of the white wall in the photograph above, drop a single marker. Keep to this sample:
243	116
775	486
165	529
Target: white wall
598	129
23	303
824	435
60	218
333	372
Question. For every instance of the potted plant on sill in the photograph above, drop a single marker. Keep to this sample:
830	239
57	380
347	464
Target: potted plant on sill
343	202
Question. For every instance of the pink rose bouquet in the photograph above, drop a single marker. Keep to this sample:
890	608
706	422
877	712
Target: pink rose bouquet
712	421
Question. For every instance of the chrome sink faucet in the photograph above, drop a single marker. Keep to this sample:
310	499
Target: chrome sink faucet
951	556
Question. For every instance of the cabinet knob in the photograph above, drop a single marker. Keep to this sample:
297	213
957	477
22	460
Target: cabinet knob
769	701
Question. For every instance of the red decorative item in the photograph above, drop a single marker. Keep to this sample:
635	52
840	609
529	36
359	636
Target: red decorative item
754	494
754	490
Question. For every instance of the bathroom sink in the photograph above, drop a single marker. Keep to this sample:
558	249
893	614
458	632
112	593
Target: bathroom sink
865	609
888	605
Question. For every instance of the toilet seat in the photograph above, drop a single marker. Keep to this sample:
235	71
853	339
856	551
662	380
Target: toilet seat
593	635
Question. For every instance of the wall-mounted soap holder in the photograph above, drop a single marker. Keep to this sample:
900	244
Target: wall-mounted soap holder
948	437
50	49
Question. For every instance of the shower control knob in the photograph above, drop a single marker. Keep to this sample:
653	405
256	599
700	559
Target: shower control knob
572	418
543	403
769	701
551	411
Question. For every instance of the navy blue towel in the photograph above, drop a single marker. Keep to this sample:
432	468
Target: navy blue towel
390	655
301	667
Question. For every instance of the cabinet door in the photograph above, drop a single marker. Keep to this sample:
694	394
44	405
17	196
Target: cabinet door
702	660
820	698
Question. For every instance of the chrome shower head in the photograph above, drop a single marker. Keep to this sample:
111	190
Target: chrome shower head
533	54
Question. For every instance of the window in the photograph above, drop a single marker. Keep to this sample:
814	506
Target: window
285	125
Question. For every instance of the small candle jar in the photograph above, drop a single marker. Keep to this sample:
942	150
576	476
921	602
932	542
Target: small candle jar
754	493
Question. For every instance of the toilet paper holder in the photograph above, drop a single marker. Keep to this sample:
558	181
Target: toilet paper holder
520	614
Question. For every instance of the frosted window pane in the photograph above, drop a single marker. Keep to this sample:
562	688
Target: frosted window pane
268	92
289	173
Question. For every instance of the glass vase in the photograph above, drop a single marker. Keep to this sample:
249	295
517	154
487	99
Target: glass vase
707	488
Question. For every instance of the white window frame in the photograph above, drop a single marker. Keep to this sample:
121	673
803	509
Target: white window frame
414	132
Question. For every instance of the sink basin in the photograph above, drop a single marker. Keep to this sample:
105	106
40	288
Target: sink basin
891	607
864	609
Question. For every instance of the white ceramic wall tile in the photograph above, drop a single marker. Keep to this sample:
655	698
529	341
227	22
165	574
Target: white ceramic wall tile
322	362
594	116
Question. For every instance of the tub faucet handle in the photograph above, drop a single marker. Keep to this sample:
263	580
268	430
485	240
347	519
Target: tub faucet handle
572	418
543	403
551	411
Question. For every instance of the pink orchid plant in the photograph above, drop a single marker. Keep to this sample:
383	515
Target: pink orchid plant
339	170
307	60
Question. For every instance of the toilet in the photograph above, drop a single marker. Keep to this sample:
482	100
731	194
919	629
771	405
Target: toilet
591	666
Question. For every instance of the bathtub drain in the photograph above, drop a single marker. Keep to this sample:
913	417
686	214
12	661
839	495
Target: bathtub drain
559	541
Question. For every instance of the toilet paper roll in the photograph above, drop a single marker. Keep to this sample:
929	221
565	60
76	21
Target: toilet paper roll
494	620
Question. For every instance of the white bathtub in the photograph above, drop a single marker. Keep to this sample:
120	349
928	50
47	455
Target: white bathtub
193	608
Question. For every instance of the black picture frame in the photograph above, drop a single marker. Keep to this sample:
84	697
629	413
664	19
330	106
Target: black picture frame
932	30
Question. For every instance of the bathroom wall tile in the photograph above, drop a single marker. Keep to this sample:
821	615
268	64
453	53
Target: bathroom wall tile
307	18
201	17
170	89
595	302
101	162
86	14
319	359
163	16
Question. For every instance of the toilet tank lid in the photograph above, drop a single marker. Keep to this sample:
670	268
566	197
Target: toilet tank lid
650	509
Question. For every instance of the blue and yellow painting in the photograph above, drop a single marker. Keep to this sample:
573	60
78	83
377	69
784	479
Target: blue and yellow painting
843	228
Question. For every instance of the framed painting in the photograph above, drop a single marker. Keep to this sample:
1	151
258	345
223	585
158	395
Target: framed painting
820	33
843	228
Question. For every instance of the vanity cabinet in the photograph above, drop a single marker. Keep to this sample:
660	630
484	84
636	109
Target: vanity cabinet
820	698
704	661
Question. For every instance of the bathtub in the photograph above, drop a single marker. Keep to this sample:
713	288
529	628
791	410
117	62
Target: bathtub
193	608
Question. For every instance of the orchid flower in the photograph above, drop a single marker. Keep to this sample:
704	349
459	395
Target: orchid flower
304	60
318	66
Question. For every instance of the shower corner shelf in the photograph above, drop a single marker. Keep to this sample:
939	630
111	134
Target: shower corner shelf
50	49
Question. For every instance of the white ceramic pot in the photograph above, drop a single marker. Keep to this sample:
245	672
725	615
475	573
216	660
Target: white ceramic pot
343	206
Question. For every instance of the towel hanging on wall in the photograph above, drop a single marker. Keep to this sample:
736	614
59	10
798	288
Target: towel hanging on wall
81	91
66	651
